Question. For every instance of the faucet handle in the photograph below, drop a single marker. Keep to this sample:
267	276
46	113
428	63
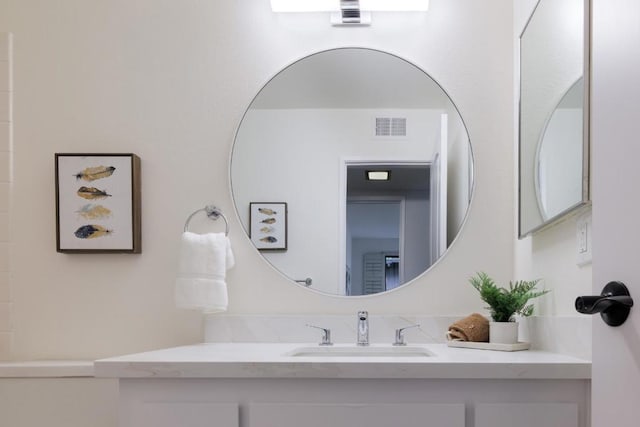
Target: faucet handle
326	335
400	336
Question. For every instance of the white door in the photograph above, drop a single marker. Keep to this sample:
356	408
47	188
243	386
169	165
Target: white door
615	124
438	194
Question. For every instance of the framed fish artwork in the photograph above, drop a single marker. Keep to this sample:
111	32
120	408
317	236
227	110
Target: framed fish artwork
97	203
268	225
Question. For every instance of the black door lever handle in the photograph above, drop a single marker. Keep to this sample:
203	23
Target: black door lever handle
613	304
597	304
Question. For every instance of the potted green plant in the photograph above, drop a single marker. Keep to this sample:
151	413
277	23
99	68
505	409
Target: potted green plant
504	304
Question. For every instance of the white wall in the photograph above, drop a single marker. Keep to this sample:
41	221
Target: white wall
6	150
550	254
58	402
170	81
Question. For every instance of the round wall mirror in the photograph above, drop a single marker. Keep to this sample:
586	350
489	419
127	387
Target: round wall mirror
352	172
559	160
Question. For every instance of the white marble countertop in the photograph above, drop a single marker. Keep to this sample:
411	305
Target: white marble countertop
47	369
265	360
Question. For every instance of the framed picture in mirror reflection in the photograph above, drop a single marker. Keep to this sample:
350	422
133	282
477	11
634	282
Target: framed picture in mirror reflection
268	225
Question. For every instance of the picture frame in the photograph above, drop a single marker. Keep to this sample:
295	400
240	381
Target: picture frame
268	225
97	203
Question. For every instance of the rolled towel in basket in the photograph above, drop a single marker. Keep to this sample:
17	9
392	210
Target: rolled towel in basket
474	327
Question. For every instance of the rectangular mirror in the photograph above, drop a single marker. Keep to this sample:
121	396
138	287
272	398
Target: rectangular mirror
554	113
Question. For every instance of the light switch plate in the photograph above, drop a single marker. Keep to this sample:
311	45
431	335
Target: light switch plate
583	239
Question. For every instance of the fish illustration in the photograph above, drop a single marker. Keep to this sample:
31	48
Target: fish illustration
91	232
269	239
90	211
97	172
267	211
92	193
268	221
267	229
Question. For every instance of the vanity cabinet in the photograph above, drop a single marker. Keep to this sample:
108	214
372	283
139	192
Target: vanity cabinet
266	385
277	402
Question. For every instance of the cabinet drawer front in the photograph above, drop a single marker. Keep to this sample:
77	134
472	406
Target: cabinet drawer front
356	415
183	414
527	415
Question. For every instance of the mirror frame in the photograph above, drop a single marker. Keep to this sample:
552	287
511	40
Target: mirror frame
306	283
586	158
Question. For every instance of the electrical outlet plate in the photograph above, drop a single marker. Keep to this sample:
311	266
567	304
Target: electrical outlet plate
583	239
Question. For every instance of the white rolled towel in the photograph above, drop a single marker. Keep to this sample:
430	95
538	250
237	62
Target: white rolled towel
201	280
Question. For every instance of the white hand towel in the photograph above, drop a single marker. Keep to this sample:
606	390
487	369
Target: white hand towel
204	260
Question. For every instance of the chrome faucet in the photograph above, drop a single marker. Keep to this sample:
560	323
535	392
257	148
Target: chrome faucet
363	328
400	336
326	335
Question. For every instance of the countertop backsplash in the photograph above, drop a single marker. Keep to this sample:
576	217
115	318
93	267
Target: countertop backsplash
569	335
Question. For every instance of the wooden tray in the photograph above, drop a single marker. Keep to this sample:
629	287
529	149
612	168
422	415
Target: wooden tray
490	346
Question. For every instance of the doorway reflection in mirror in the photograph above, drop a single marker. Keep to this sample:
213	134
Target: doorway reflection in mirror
382	219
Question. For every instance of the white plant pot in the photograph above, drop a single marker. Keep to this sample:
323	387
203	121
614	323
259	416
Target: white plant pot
524	328
503	332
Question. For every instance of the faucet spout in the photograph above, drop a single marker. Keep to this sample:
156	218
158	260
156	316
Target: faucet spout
363	328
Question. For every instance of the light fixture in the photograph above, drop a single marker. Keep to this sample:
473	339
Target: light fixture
378	175
350	12
334	5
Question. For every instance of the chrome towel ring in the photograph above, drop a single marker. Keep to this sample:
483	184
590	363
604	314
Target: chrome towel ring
213	213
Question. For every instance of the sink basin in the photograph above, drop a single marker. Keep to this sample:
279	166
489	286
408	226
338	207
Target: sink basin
354	351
